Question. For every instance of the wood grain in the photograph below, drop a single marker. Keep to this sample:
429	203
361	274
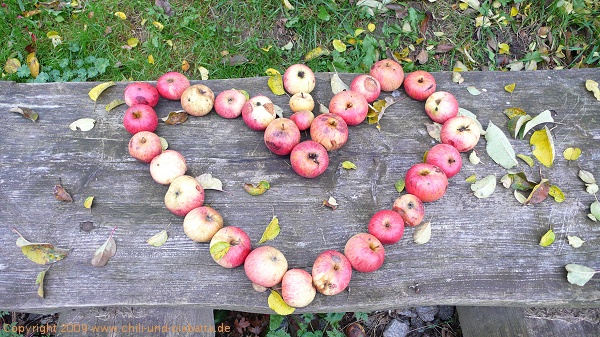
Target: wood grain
482	252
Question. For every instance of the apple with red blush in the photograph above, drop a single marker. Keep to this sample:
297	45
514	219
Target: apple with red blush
350	105
446	157
427	182
229	103
366	85
184	194
141	93
441	106
140	117
297	289
144	146
410	208
387	226
389	73
309	159
461	132
329	130
365	252
303	119
331	272
419	85
258	112
201	223
172	84
281	136
237	245
265	266
167	166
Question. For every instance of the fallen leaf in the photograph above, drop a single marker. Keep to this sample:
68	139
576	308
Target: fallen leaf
556	193
33	64
578	274
275	82
424	25
259	189
519	130
473	91
40	253
539	193
422	233
277	110
592	86
504	48
11	65
543	146
371	27
121	15
39	280
339	45
234	60
572	153
399	185
97	90
348	165
165	5
323	109
88	202
132	42
277	304
150	59
499	148
377	109
467	113
158	25
444	48
26	112
484	187
337	85
544	117
61	194
457	77
575	241
514	11
547	239
271	231
520	182
527	159
113	104
595	209
219	249
105	252
434	129
592	217
158	239
471	179
288	5
288	46
520	197
586	176
185	65
510	87
473	158
163	143
208	182
506	180
591	188
203	73
422	57
176	117
514	112
317	52
331	203
83	124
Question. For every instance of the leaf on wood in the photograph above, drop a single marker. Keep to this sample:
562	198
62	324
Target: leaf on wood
208	182
323	109
61	194
337	85
572	153
595	209
158	239
543	146
26	112
33	65
457	77
514	112
275	81
99	89
527	159
499	148
163	143
520	182
578	274
88	202
587	177
176	117
165	5
548	238
591	188
434	129
468	113
544	117
592	86
39	280
317	52
444	48
471	179
271	231
113	104
219	249
520	197
510	87
556	193
277	304
506	180
348	165
278	110
422	233
539	193
379	108
520	122
484	187
105	252
339	45
83	124
473	158
259	189
473	91
40	253
399	185
331	203
575	241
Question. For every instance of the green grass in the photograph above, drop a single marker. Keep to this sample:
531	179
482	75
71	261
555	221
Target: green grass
254	31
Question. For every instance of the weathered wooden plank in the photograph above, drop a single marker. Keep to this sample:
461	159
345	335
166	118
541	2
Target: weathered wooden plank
482	252
138	321
492	321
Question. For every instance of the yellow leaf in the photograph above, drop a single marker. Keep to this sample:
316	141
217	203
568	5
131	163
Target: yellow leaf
88	202
31	13
219	249
271	231
170	43
158	239
317	52
259	189
471	179
41	253
514	112
504	48
97	90
526	159
150	59
143	22
463	6
132	42
592	86
514	11
351	41
288	5
267	48
276	84
39	280
339	46
33	64
510	87
278	305
556	193
419	40
185	66
543	145
572	153
12	65
358	31
547	239
203	73
371	27
158	25
52	33
337	85
272	72
348	165
121	15
113	104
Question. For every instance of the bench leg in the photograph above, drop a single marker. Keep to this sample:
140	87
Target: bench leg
492	321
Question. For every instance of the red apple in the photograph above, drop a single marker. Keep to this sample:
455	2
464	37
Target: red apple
281	136
184	194
197	100
298	78
441	106
350	105
309	159
167	166
365	252
366	85
258	112
410	208
237	251
461	132
427	182
140	117
301	101
389	73
446	157
329	130
229	103
172	84
331	272
303	119
419	85
387	226
297	289
141	93
265	266
144	146
201	223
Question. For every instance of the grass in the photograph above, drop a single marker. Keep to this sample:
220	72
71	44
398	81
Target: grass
244	38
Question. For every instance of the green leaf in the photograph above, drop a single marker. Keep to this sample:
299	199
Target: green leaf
348	165
219	249
399	185
526	159
520	182
271	231
473	158
548	238
334	318
556	193
362	316
23	71
578	274
275	322
499	148
518	130
484	187
323	15
575	241
259	189
595	209
514	112
158	239
544	117
586	176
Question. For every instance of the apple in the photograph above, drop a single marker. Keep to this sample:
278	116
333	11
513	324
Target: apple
184	194
297	289
172	84
229	103
237	251
301	101
331	272
197	100
446	157
366	85
167	166
140	117
201	223
298	78
427	182
303	119
281	136
410	208
309	159
365	252
141	93
387	226
441	106
389	73
350	105
461	132
265	266
144	146
258	112
329	130
419	85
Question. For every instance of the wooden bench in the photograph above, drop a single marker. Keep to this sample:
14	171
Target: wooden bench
483	252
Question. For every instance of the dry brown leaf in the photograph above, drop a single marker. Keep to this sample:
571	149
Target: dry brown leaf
176	117
26	112
444	48
424	25
61	194
423	56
